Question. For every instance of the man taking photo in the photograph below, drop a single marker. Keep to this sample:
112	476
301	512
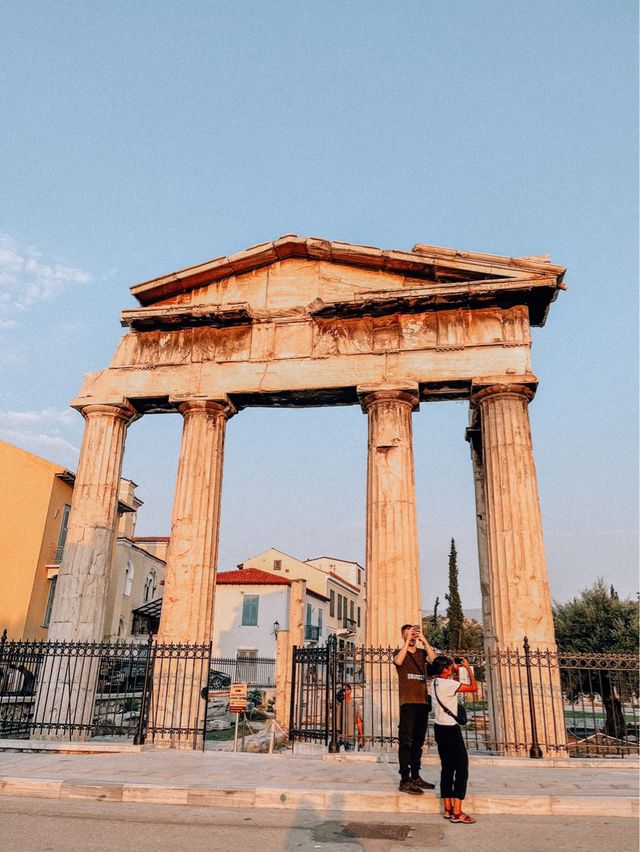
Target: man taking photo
411	664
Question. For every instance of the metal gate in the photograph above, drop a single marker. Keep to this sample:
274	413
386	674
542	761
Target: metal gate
343	696
103	690
311	689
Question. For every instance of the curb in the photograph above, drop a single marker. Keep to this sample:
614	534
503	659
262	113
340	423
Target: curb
317	800
58	747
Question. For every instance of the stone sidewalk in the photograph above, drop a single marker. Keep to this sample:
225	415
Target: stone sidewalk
308	782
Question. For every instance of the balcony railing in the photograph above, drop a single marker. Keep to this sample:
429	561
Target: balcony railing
311	633
349	623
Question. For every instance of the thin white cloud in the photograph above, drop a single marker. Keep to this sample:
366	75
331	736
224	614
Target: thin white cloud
46	415
26	277
51	433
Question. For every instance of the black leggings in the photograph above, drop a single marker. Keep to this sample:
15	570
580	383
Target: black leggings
454	760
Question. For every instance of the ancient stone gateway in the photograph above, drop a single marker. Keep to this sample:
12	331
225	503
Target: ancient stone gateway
307	322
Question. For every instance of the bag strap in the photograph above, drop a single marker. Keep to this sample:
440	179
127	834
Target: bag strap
446	709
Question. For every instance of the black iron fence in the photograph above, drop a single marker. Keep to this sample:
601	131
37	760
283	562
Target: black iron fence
120	690
529	701
254	671
105	690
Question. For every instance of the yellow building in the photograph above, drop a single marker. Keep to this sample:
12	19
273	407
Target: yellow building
35	502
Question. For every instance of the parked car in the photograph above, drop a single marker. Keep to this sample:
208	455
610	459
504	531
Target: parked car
123	674
126	674
219	680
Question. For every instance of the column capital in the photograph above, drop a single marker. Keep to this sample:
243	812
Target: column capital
499	389
406	392
121	411
219	405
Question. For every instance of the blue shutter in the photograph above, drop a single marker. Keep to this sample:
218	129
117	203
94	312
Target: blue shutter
250	610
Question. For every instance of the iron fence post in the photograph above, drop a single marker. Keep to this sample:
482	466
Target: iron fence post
535	752
3	675
332	644
141	732
206	696
292	697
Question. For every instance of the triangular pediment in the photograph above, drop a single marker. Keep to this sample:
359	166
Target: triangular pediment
329	278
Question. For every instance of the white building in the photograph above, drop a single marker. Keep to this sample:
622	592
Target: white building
341	581
251	606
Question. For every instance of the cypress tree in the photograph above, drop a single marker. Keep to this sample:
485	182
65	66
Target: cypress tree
455	615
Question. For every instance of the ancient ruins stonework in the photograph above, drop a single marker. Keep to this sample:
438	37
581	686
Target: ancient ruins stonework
309	322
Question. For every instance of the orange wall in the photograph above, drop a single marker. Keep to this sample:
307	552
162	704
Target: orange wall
61	493
26	483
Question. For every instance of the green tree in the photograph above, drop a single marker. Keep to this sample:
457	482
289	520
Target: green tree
433	627
473	635
598	622
455	615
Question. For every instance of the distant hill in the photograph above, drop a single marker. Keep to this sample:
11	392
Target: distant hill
472	612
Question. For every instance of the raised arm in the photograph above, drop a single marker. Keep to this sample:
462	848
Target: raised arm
472	686
402	653
431	654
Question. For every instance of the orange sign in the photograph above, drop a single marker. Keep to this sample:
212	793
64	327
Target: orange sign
238	698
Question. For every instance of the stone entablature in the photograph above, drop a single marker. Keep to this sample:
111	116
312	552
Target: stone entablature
306	321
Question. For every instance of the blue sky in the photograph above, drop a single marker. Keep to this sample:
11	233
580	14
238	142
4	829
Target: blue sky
138	138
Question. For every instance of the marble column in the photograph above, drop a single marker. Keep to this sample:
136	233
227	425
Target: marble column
487	689
190	578
474	437
83	581
514	573
393	567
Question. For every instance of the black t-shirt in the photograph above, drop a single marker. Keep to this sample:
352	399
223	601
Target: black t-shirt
412	681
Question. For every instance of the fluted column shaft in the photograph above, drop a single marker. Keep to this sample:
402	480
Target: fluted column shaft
393	567
83	580
483	555
187	608
519	591
66	688
513	574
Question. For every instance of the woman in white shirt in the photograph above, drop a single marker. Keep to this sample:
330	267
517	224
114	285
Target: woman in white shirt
451	748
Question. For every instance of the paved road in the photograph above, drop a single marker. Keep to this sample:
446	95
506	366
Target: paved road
41	825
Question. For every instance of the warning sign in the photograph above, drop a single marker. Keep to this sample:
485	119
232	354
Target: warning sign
238	698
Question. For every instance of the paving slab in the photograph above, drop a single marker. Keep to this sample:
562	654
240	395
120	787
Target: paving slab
287	781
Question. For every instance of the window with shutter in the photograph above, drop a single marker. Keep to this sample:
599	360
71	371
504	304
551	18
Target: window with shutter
250	610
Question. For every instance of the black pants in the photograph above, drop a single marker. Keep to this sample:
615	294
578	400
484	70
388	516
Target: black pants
454	760
412	730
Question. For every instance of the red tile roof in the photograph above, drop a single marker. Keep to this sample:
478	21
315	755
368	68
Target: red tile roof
250	577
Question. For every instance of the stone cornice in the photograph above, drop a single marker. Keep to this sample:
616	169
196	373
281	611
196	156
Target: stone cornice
436	264
180	316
